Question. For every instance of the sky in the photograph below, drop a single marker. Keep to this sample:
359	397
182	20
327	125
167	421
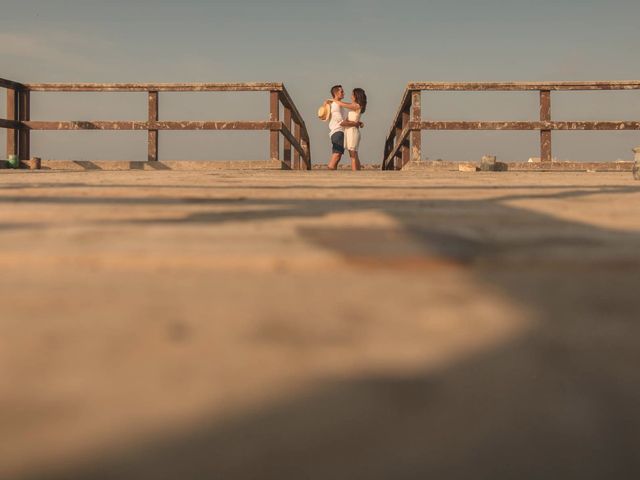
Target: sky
311	45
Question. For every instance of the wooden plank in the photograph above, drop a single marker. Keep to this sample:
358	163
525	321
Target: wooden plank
622	125
618	166
545	135
154	87
9	124
619	126
306	147
571	166
297	133
388	146
286	133
160	125
397	159
524	86
274	116
152	144
387	163
12	116
24	115
287	143
182	165
405	150
404	103
416	134
11	85
286	100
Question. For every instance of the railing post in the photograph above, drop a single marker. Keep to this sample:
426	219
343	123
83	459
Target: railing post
545	135
12	114
287	143
405	145
397	159
416	134
154	106
387	149
24	139
274	116
306	147
388	146
296	153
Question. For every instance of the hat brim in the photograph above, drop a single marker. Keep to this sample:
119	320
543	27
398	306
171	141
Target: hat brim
324	112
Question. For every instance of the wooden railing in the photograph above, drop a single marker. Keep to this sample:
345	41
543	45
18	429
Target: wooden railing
404	142
296	151
17	111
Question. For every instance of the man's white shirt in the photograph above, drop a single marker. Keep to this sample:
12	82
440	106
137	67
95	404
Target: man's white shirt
338	115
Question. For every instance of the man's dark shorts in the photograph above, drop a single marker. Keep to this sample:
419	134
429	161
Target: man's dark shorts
337	142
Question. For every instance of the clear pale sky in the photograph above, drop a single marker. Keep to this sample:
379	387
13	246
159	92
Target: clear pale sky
376	45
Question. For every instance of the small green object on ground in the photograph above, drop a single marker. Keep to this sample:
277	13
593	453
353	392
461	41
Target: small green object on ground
13	161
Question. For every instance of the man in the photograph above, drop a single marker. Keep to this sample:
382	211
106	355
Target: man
337	125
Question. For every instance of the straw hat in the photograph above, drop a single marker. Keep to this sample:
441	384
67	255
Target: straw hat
324	112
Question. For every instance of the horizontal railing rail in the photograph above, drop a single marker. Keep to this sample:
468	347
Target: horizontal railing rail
154	87
404	140
158	125
296	150
11	85
523	86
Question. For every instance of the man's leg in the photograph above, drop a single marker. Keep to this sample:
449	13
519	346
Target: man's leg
335	160
337	149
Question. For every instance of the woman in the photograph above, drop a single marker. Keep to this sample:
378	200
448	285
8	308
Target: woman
356	108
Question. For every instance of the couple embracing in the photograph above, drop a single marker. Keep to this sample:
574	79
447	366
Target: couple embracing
345	124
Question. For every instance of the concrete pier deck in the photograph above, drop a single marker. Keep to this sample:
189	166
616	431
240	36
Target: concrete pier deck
319	325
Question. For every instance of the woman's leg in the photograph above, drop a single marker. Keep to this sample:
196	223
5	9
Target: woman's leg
355	160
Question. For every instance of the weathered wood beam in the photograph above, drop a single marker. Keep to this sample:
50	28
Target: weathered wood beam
306	143
9	124
152	143
388	145
306	147
297	133
287	144
11	85
524	86
405	102
398	157
387	163
24	115
545	135
274	116
416	134
286	100
405	147
292	140
160	125
622	125
13	124
154	87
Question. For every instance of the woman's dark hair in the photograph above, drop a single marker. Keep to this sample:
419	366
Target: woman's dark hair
361	99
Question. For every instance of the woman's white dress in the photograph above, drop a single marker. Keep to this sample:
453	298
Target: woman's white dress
352	134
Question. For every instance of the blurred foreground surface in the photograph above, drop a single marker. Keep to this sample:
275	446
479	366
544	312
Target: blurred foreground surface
319	325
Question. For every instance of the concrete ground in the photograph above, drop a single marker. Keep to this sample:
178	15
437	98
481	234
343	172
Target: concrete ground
319	325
